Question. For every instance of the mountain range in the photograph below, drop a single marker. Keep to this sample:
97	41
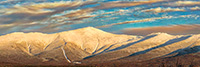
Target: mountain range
93	47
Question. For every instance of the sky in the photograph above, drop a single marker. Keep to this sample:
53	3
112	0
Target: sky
135	17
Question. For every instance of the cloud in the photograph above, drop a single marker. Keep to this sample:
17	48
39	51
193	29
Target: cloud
135	21
43	7
187	2
125	4
126	22
21	17
195	8
114	4
79	13
37	12
183	3
162	10
42	11
6	1
175	30
148	20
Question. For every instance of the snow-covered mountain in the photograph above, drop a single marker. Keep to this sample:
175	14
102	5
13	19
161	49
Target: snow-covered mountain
90	45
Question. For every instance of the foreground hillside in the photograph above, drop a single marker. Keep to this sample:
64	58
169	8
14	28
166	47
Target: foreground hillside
91	46
188	60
